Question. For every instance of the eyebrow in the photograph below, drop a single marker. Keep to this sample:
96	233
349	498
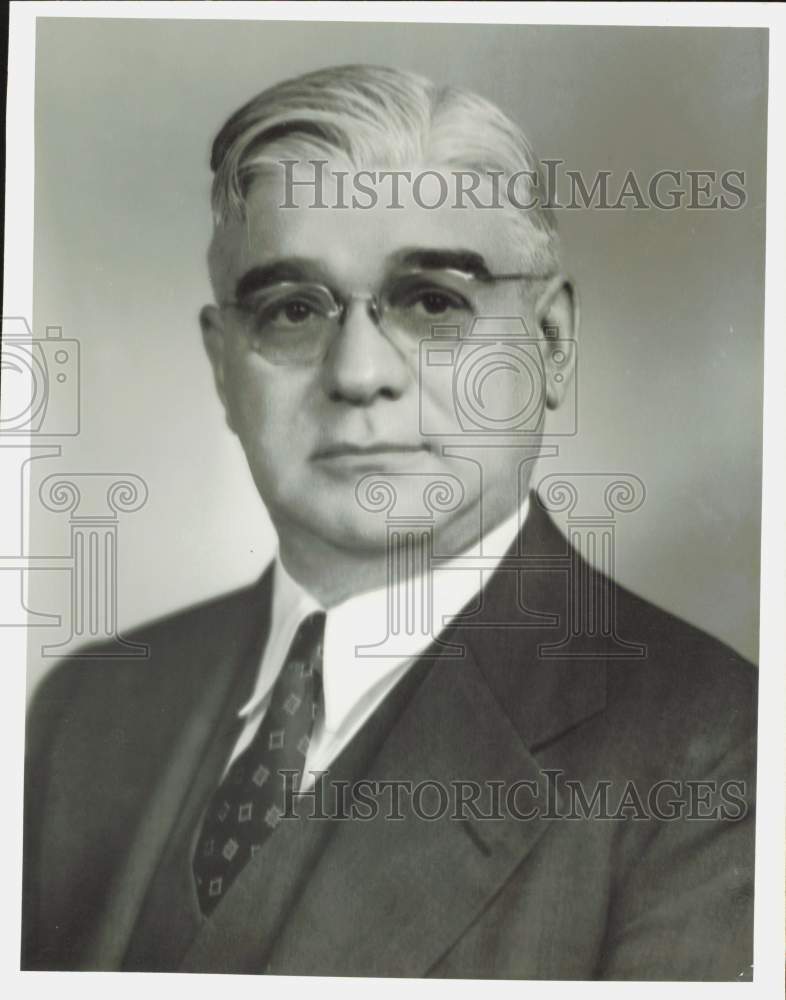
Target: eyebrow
467	261
285	269
297	268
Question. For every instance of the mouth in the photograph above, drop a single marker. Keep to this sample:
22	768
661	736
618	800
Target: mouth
376	450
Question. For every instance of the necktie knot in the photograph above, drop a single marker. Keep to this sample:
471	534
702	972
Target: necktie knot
305	653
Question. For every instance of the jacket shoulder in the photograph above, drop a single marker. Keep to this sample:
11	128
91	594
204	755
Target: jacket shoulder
680	661
176	647
689	702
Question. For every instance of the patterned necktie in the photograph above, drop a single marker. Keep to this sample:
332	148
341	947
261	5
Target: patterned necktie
249	802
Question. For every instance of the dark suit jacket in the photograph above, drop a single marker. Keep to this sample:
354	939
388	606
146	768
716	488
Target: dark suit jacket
123	756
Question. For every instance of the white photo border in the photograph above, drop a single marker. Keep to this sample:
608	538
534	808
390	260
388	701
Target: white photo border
18	297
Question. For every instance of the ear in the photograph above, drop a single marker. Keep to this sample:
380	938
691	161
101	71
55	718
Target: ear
214	338
557	316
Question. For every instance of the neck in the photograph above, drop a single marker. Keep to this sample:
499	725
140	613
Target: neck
333	576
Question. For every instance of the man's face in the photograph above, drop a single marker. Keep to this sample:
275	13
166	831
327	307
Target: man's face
370	402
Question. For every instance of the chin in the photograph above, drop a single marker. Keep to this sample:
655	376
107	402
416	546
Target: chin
347	516
360	533
331	517
371	534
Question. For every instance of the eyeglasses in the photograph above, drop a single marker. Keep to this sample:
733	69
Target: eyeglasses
296	323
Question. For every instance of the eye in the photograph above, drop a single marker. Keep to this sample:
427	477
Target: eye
436	303
295	311
292	309
431	300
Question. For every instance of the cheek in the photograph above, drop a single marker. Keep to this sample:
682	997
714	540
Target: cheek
435	390
265	403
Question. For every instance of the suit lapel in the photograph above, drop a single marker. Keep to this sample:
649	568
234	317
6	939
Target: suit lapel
389	897
222	674
542	696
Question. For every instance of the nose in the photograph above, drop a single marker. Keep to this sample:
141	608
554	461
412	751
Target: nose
362	364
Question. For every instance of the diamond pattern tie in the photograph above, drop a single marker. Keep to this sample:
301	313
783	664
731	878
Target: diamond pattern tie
249	802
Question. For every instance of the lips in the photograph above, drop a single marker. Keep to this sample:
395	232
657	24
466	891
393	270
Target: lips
373	450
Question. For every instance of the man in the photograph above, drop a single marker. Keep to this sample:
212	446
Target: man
386	758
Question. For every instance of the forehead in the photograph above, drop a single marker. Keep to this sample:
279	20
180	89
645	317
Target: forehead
357	245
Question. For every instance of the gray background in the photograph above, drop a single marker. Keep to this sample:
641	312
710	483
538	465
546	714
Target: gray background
672	302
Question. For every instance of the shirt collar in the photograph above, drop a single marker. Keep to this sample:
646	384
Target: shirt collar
361	651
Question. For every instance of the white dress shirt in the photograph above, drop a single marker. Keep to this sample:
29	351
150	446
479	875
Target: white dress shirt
354	682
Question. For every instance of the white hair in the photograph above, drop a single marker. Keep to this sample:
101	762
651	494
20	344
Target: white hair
373	116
